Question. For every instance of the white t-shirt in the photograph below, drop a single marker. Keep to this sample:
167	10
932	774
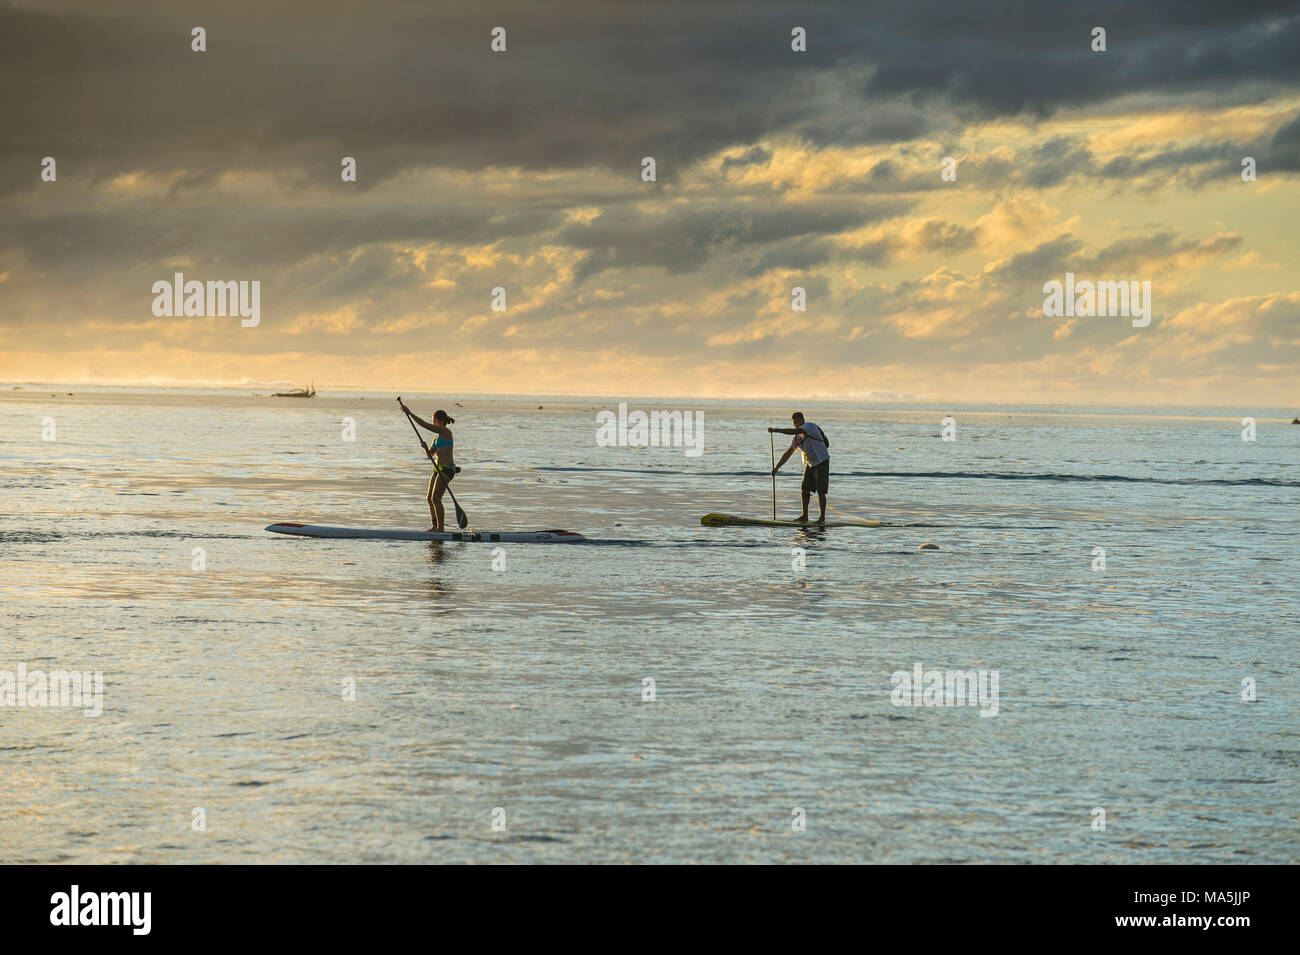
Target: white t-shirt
811	444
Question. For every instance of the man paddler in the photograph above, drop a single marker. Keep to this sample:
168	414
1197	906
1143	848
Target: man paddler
810	441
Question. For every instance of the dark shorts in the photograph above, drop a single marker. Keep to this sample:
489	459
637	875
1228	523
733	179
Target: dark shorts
445	473
817	479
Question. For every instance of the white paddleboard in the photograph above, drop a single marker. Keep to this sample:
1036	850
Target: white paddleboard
469	537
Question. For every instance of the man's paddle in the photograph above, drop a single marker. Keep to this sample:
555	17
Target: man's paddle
461	519
771	441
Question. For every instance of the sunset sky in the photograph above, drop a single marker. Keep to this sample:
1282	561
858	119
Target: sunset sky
776	169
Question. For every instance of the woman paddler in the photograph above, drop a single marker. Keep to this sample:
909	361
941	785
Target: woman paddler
444	465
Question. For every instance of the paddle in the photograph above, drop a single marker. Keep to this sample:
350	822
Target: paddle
771	441
461	519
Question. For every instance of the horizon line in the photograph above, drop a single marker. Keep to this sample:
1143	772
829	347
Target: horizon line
10	384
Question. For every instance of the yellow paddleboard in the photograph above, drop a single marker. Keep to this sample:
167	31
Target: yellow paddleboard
723	520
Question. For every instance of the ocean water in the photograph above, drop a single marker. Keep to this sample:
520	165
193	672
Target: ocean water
508	685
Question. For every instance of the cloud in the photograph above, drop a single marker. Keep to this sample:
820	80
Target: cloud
522	171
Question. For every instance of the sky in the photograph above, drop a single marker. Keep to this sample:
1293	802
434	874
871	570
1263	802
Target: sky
775	169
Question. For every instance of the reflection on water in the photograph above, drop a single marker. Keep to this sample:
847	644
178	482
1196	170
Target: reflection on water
439	587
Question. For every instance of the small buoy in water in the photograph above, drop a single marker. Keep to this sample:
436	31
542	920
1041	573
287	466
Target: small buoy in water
928	547
539	407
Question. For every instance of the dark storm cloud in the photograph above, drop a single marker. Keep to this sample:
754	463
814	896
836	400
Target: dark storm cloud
946	237
1064	159
891	124
754	156
1139	253
1042	260
1285	153
287	88
797	256
888	178
583	83
685	238
1056	161
1011	57
89	243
